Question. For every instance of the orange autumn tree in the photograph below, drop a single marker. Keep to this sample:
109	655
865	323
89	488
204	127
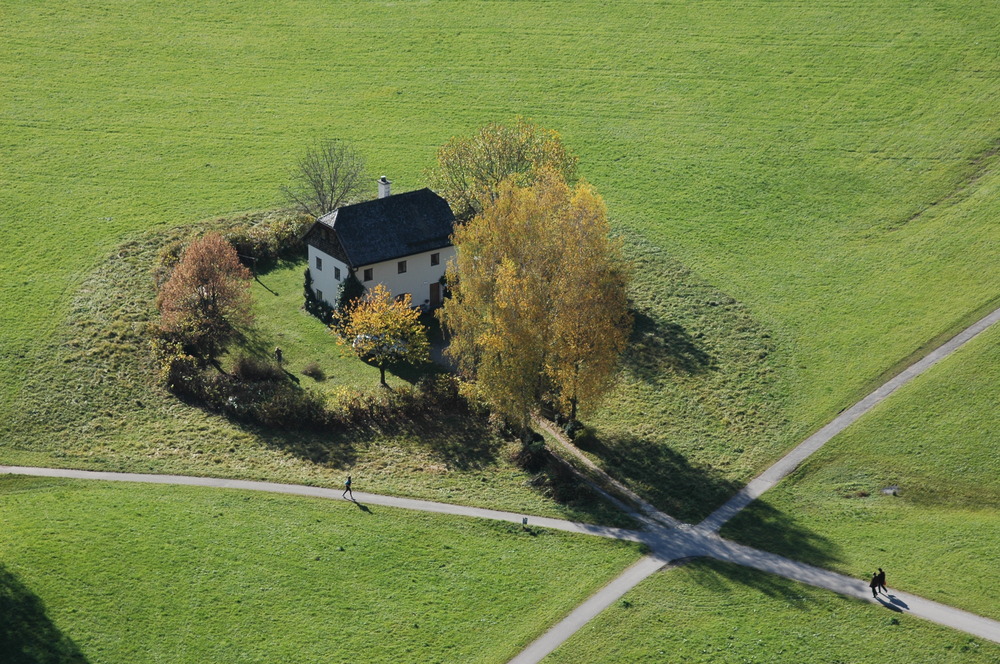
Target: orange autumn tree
538	309
382	330
206	300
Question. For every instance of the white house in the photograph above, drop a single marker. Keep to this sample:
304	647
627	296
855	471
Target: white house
402	241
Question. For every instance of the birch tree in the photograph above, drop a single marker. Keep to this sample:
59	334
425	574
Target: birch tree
538	308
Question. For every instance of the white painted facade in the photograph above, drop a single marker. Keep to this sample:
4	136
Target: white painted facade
325	282
418	280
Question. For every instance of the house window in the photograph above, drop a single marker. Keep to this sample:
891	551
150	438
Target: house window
319	295
401	267
319	263
369	273
435	259
336	273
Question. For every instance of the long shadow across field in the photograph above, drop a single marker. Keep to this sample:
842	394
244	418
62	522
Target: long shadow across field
657	347
773	530
27	634
661	475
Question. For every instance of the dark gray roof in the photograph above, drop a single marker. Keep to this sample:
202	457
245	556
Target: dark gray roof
387	228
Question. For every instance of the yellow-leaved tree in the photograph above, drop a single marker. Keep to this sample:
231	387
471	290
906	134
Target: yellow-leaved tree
538	308
383	330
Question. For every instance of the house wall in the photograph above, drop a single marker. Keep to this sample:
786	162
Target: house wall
323	278
417	279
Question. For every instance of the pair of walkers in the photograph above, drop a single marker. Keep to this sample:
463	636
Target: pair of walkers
878	583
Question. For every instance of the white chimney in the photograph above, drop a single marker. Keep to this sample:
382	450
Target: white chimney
383	187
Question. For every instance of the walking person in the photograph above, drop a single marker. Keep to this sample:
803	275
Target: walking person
873	584
347	488
881	581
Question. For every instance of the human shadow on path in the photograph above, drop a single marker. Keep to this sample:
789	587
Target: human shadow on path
896	602
891	605
361	506
27	634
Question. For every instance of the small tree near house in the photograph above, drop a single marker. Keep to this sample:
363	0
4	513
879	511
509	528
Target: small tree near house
206	300
383	331
470	169
330	174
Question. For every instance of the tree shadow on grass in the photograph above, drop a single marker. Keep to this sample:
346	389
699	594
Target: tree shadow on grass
763	526
657	347
27	634
719	577
662	476
462	443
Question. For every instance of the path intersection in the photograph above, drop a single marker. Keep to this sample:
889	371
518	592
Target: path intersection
668	539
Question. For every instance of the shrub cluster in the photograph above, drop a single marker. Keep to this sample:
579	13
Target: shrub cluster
314	371
428	398
314	305
277	235
259	392
259	239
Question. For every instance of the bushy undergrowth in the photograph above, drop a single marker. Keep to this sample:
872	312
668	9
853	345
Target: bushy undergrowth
261	393
260	240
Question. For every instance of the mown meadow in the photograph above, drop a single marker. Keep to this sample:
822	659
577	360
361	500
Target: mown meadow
712	612
807	191
827	167
911	488
151	573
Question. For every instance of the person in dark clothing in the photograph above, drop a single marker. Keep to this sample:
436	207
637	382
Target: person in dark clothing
873	584
881	581
347	488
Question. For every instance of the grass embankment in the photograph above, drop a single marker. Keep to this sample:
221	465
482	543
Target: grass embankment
938	440
95	404
699	403
713	612
135	573
831	166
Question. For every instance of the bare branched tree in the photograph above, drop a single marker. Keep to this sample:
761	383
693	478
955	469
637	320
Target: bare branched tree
329	175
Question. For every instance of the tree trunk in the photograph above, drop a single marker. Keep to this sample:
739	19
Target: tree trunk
382	375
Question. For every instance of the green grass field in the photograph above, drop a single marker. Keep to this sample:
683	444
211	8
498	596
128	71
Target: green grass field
713	612
808	191
830	166
938	440
181	574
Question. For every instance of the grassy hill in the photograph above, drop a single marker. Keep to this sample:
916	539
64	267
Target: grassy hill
830	166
